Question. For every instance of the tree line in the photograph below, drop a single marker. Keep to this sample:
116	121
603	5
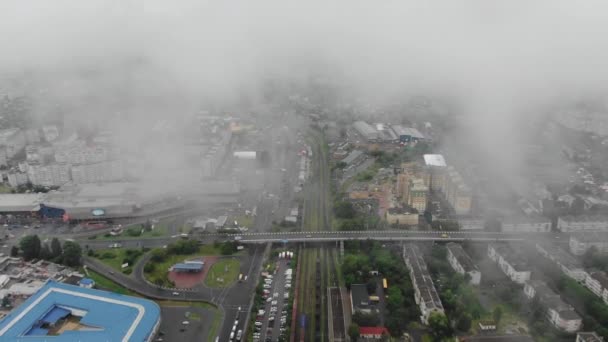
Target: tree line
31	248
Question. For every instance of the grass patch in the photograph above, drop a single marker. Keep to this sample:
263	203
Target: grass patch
158	275
115	257
161	229
5	189
217	315
242	220
104	283
226	269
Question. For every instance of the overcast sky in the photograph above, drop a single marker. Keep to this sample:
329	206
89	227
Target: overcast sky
501	58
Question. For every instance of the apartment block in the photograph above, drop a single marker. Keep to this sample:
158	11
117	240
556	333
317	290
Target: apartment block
568	264
582	223
597	282
425	294
462	263
580	243
512	264
560	314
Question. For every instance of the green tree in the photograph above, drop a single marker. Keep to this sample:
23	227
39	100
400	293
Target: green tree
353	332
56	250
45	252
464	323
6	301
440	326
30	246
14	251
395	298
158	255
228	248
72	254
344	210
497	314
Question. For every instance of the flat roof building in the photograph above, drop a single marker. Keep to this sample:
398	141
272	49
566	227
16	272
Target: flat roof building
588	337
512	264
580	243
425	294
62	312
568	264
462	263
367	131
560	314
360	298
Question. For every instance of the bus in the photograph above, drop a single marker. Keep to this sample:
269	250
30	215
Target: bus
385	283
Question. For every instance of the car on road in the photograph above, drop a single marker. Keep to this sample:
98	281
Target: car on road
274	302
237	238
259	324
175	293
308	235
266	286
115	245
444	235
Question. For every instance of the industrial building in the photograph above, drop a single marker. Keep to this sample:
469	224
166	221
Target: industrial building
368	132
512	264
359	299
580	243
425	294
407	134
560	315
568	264
462	263
62	312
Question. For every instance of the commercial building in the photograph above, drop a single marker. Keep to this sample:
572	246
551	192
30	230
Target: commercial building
462	263
580	243
582	223
568	264
62	312
512	264
435	172
402	216
368	132
560	315
20	204
417	194
188	267
588	337
425	294
597	282
457	193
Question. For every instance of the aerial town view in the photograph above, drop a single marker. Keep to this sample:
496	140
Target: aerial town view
290	171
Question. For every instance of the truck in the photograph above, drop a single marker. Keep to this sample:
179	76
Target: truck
241	277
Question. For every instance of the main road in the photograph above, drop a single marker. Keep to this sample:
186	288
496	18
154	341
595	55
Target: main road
331	236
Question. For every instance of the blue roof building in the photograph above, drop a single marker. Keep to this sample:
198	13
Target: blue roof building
188	267
61	312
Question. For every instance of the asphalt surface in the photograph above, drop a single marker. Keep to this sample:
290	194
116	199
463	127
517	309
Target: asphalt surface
273	329
183	323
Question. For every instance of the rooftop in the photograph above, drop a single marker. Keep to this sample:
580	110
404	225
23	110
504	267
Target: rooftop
598	237
503	338
20	202
434	160
600	277
463	258
359	295
88	315
352	156
373	331
422	277
589	337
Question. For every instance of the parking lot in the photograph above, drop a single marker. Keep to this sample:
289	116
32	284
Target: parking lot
271	320
184	323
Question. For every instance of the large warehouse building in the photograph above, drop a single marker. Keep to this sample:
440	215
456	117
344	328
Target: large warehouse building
60	312
107	201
